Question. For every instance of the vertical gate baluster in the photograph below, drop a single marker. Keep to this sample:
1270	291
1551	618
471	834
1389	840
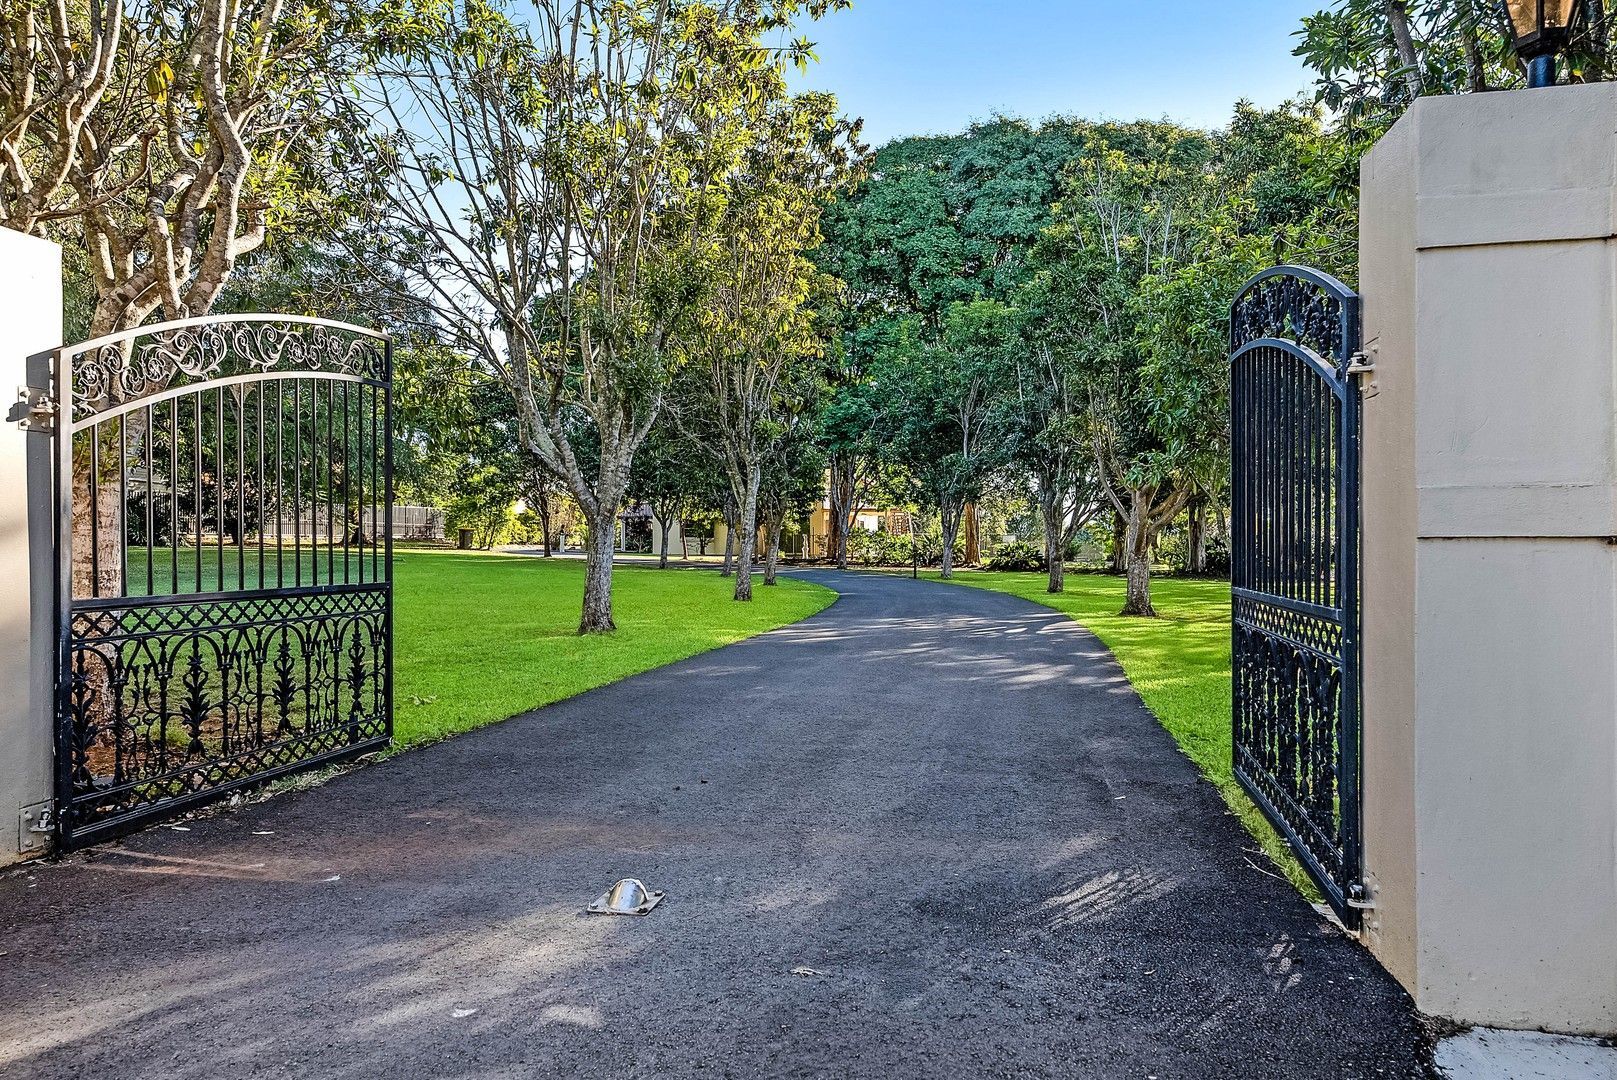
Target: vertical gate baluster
280	484
174	495
330	478
360	467
95	509
151	516
297	482
196	490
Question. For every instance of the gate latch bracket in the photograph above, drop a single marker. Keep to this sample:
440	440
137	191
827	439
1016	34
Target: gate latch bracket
34	410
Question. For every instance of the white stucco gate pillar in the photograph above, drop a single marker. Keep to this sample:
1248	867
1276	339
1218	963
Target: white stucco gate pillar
30	322
1489	276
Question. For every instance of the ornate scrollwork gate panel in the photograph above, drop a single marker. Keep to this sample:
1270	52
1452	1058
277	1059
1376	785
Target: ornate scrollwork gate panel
1294	567
224	498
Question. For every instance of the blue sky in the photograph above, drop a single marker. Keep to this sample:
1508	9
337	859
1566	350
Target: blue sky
932	66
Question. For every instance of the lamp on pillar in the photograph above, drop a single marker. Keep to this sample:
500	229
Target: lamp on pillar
1540	29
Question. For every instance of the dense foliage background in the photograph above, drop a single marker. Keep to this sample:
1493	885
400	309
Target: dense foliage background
627	267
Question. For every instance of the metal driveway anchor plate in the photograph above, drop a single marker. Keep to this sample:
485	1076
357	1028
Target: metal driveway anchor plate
628	896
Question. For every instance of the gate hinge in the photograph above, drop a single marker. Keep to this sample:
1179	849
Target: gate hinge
1361	364
35	825
1358	897
34	410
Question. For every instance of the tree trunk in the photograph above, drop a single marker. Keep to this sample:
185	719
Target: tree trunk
1138	601
597	618
1599	36
98	537
1055	561
1476	71
684	542
1119	543
748	538
949	519
1398	19
1196	545
544	522
729	545
662	549
1137	543
843	492
772	551
974	550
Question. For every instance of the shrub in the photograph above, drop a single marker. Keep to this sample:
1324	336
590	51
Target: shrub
1020	556
868	548
878	548
483	500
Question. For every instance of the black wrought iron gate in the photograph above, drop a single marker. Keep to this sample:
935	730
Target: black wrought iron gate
1295	566
224	596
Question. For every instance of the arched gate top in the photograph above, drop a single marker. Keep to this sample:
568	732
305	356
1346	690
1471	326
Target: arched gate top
1299	304
1303	355
117	372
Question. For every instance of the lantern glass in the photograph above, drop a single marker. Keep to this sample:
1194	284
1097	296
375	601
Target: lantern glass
1541	23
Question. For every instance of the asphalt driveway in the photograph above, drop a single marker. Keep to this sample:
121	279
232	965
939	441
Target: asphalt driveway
928	832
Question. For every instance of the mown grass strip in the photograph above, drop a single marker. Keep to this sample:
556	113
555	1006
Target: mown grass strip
479	638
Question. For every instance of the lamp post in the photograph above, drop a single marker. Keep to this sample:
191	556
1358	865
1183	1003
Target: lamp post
1539	30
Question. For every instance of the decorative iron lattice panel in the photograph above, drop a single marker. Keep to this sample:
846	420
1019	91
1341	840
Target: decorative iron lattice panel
170	700
1294	422
224	493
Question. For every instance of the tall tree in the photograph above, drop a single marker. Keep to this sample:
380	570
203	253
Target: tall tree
1041	414
671	473
559	184
940	221
939	402
847	429
1134	209
60	61
757	343
793	484
168	137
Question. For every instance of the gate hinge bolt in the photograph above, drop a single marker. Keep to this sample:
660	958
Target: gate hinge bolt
1358	897
1360	364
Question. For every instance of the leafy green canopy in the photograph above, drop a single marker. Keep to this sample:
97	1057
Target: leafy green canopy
1045	307
1374	57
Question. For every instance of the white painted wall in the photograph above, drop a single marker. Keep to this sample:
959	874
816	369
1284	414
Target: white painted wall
1490	280
30	322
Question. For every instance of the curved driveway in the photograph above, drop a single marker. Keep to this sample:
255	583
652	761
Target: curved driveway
928	832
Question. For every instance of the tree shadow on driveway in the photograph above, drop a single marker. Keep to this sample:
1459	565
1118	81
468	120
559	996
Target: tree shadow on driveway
928	832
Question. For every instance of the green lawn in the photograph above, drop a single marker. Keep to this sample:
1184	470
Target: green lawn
1179	663
482	637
